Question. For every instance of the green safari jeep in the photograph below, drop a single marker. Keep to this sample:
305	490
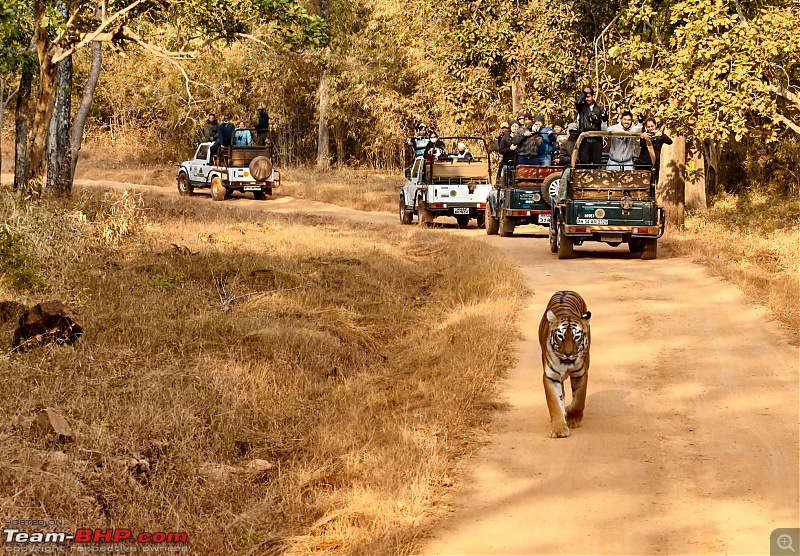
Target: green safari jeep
612	206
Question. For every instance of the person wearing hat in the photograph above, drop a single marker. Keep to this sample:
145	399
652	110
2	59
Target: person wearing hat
506	149
420	142
262	126
463	154
568	146
548	144
526	141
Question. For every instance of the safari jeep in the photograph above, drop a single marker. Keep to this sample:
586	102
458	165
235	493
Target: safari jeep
521	197
236	168
612	206
440	184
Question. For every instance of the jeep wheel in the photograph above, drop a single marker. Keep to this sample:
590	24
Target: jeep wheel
552	231
184	187
481	219
550	187
506	224
406	217
423	214
259	195
635	245
218	191
650	249
565	250
463	220
492	225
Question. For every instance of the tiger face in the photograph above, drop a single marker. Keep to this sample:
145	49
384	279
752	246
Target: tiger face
568	338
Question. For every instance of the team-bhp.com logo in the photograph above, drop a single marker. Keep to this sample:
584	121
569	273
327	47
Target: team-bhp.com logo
92	540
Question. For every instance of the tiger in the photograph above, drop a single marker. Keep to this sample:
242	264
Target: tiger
564	337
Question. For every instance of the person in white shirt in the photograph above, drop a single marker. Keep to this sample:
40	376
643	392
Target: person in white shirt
620	154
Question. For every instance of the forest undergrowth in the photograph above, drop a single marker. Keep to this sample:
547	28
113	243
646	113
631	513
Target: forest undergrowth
292	384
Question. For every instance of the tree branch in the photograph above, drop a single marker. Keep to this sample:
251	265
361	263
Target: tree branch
782	91
787	122
160	52
89	38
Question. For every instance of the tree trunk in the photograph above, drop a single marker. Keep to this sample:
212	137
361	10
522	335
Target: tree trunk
340	139
672	185
58	155
21	122
518	91
45	99
323	136
695	177
83	110
711	156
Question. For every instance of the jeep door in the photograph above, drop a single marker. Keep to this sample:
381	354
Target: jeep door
200	165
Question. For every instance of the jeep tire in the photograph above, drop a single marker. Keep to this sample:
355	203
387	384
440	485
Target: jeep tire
565	250
463	220
184	187
506	224
406	217
650	249
423	214
492	225
547	185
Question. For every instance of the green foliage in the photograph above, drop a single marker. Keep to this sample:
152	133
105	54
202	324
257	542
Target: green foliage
16	265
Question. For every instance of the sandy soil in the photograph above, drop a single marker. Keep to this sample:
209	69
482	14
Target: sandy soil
689	443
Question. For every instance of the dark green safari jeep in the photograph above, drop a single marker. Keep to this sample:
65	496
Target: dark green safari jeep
521	197
592	203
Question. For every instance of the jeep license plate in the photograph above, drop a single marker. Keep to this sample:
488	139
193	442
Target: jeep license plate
460	210
252	188
544	219
597	221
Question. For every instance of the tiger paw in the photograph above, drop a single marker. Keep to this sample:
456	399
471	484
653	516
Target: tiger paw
561	431
574	419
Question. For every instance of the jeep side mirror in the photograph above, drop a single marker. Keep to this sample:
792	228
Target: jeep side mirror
408	173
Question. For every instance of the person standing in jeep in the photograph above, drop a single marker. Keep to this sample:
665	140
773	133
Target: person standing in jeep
262	126
210	128
591	117
527	141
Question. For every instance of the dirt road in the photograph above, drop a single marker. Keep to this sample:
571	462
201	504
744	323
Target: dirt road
690	438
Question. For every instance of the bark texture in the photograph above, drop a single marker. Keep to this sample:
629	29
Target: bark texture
672	187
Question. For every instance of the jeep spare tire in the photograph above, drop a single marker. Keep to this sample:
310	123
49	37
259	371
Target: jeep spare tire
260	168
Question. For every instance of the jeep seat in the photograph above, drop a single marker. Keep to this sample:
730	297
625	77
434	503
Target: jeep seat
447	170
611	184
242	156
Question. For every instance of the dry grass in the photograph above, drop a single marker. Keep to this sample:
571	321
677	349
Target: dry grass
359	189
359	362
753	242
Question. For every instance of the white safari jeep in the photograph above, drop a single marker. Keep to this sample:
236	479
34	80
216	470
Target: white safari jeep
442	183
236	168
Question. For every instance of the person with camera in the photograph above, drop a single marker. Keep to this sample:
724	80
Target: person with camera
420	142
549	143
527	141
620	155
591	117
658	139
506	149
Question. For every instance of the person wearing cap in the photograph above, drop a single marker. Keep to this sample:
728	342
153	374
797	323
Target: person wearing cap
506	149
526	141
211	128
463	154
262	126
420	142
548	144
568	146
591	117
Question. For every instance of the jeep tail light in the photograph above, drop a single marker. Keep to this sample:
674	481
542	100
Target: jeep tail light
578	229
647	231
